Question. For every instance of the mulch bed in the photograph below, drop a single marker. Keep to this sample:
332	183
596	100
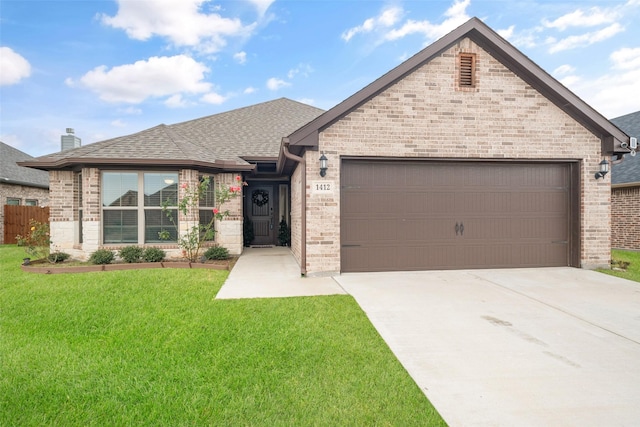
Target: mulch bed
44	267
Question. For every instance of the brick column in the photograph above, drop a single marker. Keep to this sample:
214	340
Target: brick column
229	230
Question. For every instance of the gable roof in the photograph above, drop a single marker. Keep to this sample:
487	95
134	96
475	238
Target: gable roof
500	49
11	173
627	171
223	141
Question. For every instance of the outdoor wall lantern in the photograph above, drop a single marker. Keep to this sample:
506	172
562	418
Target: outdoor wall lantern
604	168
323	165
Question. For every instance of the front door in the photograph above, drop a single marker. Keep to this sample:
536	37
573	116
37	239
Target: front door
260	211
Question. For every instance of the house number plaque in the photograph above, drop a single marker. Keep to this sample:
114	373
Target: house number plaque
322	187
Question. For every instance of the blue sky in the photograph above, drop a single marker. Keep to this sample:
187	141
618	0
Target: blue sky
111	68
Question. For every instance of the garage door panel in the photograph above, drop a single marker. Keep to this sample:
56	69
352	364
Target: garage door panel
514	215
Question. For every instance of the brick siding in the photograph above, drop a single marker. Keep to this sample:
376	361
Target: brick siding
65	199
425	115
625	214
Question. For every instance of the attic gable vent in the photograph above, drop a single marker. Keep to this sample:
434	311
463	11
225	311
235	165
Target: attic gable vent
467	77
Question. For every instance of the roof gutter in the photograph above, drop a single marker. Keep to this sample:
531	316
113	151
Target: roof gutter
303	204
222	165
23	183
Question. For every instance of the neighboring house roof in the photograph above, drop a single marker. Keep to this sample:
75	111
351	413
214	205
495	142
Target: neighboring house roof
627	171
500	49
11	173
222	141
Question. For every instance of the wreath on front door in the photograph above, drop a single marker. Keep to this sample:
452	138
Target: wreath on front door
260	197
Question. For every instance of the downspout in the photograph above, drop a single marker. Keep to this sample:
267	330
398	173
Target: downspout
303	205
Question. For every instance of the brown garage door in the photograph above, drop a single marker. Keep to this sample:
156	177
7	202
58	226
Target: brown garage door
424	215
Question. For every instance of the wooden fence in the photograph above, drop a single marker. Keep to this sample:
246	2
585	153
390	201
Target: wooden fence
17	219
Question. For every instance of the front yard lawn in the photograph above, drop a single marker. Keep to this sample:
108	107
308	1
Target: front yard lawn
153	347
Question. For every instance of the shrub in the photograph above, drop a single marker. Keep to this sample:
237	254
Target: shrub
217	252
153	255
36	243
102	256
56	257
131	254
284	233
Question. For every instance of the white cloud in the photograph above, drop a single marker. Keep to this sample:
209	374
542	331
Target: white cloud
156	77
307	101
387	18
456	15
240	57
303	69
586	39
571	80
250	90
262	5
563	70
13	67
592	18
213	98
613	93
626	58
507	33
175	101
182	22
275	84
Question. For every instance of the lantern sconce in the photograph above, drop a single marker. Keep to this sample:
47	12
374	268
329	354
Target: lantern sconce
323	165
604	169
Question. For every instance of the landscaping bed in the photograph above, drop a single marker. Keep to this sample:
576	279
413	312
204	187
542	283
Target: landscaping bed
45	267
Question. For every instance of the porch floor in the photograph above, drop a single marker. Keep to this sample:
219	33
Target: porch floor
273	273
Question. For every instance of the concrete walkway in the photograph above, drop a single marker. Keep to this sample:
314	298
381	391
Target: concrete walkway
273	273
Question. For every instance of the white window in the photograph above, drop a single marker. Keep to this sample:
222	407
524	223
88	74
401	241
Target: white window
13	201
132	207
31	202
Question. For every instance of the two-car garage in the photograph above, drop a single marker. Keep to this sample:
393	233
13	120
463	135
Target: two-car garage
423	215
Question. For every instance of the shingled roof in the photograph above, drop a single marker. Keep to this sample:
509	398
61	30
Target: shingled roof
628	171
11	173
222	141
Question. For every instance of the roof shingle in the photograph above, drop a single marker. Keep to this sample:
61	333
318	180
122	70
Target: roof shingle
225	138
10	172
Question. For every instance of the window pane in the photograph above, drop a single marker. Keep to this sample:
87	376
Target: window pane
156	221
208	198
160	188
13	201
120	226
206	215
31	202
119	189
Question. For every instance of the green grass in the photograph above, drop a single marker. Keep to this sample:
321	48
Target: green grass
153	347
633	270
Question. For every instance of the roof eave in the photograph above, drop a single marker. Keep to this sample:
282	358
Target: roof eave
221	165
4	180
626	184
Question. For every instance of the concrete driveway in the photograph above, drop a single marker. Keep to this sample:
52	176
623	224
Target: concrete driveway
515	347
